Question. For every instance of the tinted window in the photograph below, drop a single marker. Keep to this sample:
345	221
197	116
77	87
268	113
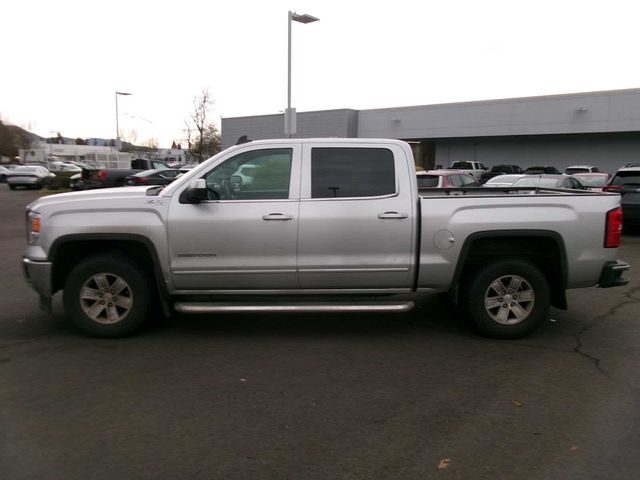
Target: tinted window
269	179
467	180
352	172
462	165
455	180
425	181
626	178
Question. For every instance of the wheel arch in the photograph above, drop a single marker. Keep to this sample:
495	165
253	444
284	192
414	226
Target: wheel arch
67	251
544	248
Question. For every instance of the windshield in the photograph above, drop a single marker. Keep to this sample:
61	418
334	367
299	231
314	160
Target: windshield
537	182
592	180
27	169
462	166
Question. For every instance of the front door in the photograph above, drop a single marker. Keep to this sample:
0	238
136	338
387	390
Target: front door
245	235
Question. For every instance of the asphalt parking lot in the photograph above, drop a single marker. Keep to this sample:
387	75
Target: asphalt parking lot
413	396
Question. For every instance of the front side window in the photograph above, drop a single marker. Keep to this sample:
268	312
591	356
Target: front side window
352	172
254	175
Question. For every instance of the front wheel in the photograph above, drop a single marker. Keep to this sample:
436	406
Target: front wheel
508	298
107	296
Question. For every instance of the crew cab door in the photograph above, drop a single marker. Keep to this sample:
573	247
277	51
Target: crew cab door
244	236
357	217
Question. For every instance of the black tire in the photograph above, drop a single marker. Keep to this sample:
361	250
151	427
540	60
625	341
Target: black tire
107	296
12	187
515	311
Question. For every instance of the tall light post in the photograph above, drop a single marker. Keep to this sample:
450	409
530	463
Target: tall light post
117	120
290	113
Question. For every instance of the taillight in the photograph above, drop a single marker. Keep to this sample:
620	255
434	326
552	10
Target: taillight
140	180
102	175
612	188
613	228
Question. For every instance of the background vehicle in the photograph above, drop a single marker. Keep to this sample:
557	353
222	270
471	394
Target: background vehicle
445	178
154	177
112	177
593	181
63	167
29	176
502	181
626	182
475	169
500	170
550	181
325	225
573	169
3	174
542	170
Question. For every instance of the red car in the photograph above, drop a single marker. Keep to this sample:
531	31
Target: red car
445	179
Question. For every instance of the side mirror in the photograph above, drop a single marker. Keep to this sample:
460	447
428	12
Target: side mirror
197	191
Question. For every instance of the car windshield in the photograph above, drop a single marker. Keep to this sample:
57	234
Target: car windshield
572	170
502	168
27	169
425	181
462	166
626	178
503	179
592	180
538	182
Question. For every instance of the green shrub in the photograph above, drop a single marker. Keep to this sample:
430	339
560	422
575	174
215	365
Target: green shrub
60	181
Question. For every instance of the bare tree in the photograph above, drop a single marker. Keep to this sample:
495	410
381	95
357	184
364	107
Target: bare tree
202	105
151	143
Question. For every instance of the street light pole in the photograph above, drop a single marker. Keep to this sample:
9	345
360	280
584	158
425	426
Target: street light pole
117	120
290	113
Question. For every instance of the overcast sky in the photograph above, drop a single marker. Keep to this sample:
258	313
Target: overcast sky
63	61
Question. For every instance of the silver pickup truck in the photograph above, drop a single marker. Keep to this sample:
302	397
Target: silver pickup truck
322	225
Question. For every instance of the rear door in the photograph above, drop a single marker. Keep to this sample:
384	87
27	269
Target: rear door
357	224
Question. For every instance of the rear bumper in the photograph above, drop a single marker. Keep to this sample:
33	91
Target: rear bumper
611	275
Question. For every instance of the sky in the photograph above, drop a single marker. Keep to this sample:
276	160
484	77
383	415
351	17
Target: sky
63	61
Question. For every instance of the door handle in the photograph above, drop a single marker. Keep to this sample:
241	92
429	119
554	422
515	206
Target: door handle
386	215
277	216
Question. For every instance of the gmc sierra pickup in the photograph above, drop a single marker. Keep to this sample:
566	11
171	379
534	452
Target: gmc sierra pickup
322	225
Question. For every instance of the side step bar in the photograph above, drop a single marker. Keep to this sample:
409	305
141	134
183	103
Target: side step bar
214	307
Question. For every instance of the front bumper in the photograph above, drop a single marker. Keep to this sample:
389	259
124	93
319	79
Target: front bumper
38	275
611	275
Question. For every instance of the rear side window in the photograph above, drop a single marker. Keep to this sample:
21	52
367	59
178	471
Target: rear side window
426	181
626	178
352	172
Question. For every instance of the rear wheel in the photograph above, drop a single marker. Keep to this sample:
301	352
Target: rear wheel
12	187
508	298
107	296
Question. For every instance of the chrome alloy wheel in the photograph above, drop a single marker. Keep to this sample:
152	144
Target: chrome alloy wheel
509	300
106	298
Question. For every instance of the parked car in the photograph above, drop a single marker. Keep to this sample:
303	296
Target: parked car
497	170
3	174
549	181
29	176
445	178
593	181
475	169
626	182
163	176
573	169
91	178
502	181
548	170
63	167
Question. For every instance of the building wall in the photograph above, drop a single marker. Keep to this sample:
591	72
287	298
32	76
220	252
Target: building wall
328	123
596	112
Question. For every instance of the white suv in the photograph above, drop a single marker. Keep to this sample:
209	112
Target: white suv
581	169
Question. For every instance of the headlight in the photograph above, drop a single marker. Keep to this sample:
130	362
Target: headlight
33	227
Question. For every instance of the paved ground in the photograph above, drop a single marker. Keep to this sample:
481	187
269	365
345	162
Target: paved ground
413	396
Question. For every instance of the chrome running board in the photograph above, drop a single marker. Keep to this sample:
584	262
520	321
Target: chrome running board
215	307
